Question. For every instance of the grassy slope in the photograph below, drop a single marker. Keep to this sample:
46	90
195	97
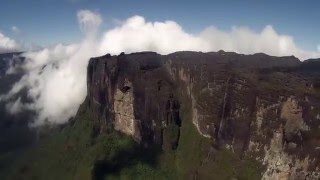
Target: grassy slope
73	153
196	158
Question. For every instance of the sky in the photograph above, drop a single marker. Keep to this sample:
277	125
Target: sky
48	22
59	37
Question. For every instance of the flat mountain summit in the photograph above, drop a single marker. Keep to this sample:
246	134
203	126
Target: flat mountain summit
256	106
188	115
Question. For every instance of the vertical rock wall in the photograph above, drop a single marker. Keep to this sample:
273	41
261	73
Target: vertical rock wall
241	104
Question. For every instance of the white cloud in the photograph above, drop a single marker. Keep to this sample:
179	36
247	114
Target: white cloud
135	34
15	107
56	78
7	44
89	21
56	81
15	29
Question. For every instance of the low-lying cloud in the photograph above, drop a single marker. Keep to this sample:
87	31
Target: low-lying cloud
7	44
56	78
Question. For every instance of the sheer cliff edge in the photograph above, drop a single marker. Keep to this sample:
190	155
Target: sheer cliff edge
258	106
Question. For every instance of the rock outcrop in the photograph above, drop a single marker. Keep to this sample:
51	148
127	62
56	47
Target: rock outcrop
257	106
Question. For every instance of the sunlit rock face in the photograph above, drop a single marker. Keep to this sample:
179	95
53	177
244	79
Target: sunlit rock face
257	106
123	111
133	94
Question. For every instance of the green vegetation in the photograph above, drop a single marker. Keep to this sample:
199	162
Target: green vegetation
74	153
197	158
192	146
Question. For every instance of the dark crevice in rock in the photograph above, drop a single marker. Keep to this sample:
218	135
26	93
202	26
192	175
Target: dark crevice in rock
125	89
225	111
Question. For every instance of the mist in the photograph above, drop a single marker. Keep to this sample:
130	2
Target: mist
7	44
56	76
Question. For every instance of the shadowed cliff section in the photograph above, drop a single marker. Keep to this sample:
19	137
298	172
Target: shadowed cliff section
142	86
256	106
133	94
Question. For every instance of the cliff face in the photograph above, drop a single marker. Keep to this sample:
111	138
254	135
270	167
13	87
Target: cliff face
257	106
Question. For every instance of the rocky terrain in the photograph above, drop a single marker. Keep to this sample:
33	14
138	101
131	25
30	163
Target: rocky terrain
186	115
258	107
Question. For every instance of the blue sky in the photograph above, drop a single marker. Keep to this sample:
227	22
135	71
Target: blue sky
46	22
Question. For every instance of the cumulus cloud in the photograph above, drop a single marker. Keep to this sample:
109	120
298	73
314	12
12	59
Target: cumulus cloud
135	34
7	44
56	78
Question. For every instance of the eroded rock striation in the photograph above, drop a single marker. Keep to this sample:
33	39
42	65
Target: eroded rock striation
258	106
